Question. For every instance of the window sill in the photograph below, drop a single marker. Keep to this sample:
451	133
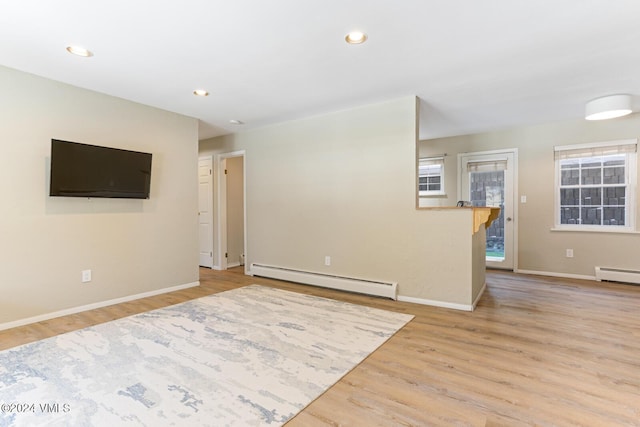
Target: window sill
434	195
595	230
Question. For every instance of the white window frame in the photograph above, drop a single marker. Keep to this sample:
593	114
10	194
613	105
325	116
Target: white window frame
627	147
427	161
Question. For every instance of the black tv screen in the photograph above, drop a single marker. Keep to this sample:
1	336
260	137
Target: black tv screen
83	170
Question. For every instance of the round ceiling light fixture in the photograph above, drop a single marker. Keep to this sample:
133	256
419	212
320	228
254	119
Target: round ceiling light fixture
356	37
79	51
236	122
608	107
200	92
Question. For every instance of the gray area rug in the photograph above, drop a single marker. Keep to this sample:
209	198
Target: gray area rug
253	356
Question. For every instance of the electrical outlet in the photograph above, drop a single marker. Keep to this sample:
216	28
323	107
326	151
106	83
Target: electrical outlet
86	276
569	253
327	260
523	199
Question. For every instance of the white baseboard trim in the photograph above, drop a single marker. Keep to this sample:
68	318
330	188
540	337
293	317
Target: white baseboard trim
554	274
475	303
444	304
233	264
74	310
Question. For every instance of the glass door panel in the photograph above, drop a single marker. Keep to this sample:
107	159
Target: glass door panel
487	189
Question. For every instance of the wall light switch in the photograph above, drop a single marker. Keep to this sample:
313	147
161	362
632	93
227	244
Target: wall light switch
569	253
523	199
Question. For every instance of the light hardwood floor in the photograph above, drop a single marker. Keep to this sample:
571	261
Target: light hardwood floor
536	351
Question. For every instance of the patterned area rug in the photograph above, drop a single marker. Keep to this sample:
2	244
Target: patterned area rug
253	356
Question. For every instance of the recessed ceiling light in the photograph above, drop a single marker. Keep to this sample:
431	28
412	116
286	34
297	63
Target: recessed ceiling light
80	51
236	122
356	37
200	92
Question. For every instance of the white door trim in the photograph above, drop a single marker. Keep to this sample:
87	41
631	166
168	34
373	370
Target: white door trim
516	201
221	192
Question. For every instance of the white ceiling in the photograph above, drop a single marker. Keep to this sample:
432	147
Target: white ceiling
476	65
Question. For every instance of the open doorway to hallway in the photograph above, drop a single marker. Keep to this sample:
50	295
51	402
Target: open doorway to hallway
231	227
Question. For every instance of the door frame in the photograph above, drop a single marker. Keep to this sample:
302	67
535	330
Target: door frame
506	151
221	199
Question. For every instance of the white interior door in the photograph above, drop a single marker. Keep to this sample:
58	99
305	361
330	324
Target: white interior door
205	210
487	179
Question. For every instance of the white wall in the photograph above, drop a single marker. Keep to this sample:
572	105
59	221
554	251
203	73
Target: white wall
343	185
539	248
131	246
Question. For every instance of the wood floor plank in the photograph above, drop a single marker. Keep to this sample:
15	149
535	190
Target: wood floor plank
537	351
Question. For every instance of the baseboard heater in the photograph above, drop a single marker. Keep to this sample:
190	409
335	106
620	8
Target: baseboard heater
618	275
362	286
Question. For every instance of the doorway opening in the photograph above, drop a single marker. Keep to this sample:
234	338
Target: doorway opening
232	236
489	179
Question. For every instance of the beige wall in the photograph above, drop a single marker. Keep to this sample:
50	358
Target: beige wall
539	248
131	246
478	262
343	185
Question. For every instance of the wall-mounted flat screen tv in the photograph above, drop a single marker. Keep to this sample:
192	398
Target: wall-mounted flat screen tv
83	170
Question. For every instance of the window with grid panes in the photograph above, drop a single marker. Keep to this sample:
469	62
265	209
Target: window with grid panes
596	185
431	176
